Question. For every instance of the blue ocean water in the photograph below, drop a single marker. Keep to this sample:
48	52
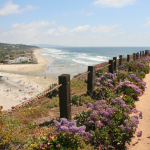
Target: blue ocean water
74	60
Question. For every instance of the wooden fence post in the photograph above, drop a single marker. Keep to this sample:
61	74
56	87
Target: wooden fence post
91	80
111	66
64	96
120	60
115	63
140	54
143	54
128	58
146	52
134	57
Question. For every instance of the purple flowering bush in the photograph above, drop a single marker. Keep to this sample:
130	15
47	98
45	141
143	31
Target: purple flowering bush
141	75
63	140
129	88
105	85
110	124
142	65
128	100
109	85
123	66
99	72
133	78
67	135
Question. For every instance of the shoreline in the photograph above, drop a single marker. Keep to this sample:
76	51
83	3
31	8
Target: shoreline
31	86
11	83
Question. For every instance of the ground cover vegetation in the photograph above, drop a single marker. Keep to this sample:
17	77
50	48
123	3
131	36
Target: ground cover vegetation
110	123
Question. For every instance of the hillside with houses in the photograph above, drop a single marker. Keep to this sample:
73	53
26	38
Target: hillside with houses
16	53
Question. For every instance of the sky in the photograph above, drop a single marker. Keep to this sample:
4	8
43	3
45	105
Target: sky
75	22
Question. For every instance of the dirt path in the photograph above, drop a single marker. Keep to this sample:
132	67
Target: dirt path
143	143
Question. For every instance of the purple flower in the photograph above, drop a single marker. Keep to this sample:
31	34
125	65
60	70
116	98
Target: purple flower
140	115
94	115
113	101
57	89
122	128
109	122
101	112
99	124
73	123
106	114
97	79
109	80
89	105
134	77
98	84
114	109
64	128
56	123
128	128
109	110
110	85
134	110
99	89
126	121
135	117
105	82
64	121
139	134
125	114
91	122
73	129
134	121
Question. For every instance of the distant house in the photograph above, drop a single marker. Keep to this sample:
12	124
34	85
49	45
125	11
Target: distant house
19	60
11	61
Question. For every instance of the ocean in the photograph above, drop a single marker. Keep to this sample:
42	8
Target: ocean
75	60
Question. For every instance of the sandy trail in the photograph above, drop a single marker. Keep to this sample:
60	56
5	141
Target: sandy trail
143	143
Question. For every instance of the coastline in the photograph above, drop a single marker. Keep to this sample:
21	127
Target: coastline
30	86
28	68
10	93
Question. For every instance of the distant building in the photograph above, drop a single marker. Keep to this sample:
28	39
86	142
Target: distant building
19	60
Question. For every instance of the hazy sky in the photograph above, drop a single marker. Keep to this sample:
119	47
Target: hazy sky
76	22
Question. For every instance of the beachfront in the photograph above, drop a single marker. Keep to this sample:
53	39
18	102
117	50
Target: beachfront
16	89
28	68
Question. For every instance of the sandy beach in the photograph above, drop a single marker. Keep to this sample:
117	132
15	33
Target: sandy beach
15	88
